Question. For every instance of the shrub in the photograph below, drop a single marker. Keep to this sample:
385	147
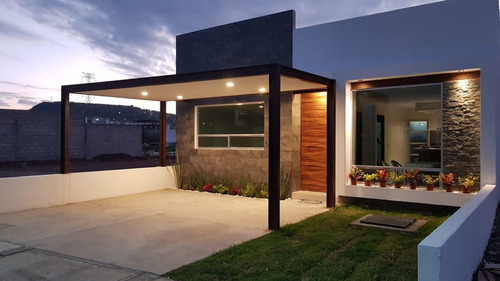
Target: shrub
207	187
263	194
248	190
234	191
220	188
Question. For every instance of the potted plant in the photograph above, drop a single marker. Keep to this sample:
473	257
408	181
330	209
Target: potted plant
467	182
369	178
396	179
430	182
447	181
354	175
382	175
411	176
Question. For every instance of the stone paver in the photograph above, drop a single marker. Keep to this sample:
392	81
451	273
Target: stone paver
151	232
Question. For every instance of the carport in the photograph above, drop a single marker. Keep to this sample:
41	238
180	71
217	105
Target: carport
274	79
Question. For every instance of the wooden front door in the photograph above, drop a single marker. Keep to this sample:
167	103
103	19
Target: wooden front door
313	142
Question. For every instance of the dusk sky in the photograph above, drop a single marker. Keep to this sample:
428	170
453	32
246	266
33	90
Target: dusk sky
49	43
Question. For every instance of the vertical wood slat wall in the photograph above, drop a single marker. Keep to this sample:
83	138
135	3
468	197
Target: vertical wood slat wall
313	142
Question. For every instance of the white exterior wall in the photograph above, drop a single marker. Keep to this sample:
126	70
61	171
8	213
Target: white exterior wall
453	251
24	193
433	38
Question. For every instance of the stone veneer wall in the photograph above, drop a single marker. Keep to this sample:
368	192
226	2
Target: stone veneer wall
461	127
262	40
233	162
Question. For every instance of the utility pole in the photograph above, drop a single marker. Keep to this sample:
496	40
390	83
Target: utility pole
88	77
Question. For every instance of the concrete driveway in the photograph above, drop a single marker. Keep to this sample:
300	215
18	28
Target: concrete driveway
151	232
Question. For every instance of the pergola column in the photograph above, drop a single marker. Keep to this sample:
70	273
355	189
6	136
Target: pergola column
330	144
274	148
64	160
163	135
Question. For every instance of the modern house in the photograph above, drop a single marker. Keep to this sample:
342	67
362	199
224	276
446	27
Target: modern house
415	87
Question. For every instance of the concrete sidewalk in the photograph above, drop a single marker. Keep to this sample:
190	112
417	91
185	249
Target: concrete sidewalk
24	263
152	232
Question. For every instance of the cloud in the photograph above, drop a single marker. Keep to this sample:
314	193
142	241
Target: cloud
15	31
4	104
27	102
8	95
26	85
137	38
20	99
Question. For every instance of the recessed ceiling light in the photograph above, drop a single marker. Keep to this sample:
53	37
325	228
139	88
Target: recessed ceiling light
262	90
144	93
229	84
180	97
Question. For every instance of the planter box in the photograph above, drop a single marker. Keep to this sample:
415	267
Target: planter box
420	195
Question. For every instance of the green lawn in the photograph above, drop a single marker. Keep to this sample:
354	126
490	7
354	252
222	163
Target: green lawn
323	247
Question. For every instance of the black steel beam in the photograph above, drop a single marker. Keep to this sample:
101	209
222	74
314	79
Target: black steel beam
163	133
173	79
64	160
274	148
305	76
330	145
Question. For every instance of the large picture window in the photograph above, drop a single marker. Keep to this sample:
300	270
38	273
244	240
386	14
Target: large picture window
230	126
399	126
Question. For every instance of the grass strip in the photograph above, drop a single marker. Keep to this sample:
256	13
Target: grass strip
323	247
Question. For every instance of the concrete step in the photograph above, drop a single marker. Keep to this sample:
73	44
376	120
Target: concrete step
309	196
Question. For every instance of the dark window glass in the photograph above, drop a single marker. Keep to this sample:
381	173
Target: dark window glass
247	141
212	141
233	119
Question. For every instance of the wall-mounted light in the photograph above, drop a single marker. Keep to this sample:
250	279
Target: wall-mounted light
463	83
144	94
261	106
229	84
180	97
240	103
262	90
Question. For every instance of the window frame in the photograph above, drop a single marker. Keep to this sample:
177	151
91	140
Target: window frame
353	124
197	135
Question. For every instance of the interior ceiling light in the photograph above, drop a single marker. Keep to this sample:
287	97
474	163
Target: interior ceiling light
144	93
229	84
262	90
180	97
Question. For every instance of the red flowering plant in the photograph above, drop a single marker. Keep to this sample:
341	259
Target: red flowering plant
382	175
234	191
207	187
354	175
448	181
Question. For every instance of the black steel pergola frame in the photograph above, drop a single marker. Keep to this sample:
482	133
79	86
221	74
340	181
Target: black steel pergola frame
274	72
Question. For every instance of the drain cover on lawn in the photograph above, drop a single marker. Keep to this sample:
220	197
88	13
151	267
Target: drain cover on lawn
390	222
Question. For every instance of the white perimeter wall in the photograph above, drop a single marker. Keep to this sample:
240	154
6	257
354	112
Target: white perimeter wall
23	193
454	250
438	37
